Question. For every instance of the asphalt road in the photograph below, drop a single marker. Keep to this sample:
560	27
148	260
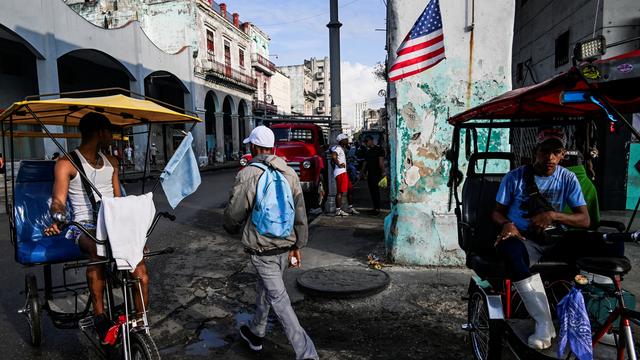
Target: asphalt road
198	210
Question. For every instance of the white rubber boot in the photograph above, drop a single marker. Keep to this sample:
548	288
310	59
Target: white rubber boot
531	291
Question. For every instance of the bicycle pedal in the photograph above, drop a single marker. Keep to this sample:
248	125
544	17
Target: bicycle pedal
86	323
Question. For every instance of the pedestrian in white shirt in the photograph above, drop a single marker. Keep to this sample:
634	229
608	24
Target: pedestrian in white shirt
128	151
343	184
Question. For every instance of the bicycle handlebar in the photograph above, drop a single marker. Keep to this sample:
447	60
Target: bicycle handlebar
61	218
165	251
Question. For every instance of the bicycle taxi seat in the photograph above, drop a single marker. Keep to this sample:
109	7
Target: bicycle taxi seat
478	232
32	198
607	266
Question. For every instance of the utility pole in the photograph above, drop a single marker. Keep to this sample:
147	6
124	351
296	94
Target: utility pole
336	111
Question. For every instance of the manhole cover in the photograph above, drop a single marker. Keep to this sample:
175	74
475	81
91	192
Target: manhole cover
344	281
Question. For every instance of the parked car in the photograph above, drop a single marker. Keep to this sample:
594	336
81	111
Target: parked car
303	146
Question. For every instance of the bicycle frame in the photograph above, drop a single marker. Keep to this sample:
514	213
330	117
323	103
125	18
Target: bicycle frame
625	315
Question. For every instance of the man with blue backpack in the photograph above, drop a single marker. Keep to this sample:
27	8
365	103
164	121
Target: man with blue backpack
267	204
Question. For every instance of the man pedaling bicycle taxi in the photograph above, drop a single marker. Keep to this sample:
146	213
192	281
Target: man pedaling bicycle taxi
102	171
528	209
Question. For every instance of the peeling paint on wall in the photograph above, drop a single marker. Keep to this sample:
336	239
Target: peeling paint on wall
421	229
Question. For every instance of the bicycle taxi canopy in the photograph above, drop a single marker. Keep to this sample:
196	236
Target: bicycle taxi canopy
583	91
121	110
32	185
590	92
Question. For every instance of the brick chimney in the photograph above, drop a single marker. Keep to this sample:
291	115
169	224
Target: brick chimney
236	20
245	27
223	10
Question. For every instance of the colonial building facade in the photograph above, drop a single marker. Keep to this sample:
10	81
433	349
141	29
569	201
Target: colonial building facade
47	48
226	60
310	81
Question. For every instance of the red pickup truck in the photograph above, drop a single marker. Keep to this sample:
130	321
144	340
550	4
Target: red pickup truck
303	146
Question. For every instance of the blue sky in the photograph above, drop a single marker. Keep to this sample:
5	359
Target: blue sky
298	28
298	31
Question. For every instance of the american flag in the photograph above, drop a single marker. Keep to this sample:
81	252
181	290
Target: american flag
423	47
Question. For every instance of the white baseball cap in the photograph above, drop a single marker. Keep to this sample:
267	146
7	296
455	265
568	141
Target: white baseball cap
342	137
261	136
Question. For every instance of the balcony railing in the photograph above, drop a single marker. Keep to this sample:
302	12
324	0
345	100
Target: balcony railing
320	91
262	106
259	59
227	71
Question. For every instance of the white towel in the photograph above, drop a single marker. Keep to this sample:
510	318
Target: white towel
125	222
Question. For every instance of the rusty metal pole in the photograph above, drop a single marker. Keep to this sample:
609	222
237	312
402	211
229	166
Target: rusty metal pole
336	111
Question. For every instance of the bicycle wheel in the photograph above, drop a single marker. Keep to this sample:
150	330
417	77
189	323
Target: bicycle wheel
32	309
485	334
143	347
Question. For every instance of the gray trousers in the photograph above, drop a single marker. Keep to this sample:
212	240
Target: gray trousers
271	293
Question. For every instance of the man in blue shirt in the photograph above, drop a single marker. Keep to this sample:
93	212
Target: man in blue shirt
521	242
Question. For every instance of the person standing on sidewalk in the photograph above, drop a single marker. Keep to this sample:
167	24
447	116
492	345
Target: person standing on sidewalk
373	167
270	255
128	151
343	184
154	154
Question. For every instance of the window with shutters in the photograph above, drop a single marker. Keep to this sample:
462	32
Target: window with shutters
210	43
241	57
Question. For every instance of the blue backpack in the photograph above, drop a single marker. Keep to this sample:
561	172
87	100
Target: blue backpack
274	212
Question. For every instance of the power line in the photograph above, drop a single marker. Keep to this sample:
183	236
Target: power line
305	18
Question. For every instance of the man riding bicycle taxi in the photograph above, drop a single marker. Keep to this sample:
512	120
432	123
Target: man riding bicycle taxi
102	171
529	207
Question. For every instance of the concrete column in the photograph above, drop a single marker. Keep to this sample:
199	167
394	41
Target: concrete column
219	137
248	126
48	84
235	135
140	138
200	140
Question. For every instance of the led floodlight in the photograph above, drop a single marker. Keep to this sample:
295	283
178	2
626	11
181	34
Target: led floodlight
590	49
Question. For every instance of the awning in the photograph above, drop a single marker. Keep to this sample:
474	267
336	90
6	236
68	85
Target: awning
122	111
617	78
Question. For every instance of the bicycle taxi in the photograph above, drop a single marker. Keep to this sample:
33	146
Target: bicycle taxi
592	94
28	188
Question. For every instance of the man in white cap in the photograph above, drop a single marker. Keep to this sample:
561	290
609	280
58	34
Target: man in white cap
343	184
269	255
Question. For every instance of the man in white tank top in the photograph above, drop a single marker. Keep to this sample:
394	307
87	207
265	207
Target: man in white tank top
102	171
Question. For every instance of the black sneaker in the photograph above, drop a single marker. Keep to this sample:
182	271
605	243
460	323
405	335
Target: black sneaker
102	325
254	341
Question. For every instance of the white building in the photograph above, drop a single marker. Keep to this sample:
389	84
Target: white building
374	118
263	71
221	47
47	48
281	92
310	90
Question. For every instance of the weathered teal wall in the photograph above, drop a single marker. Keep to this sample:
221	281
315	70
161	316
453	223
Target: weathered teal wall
421	229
